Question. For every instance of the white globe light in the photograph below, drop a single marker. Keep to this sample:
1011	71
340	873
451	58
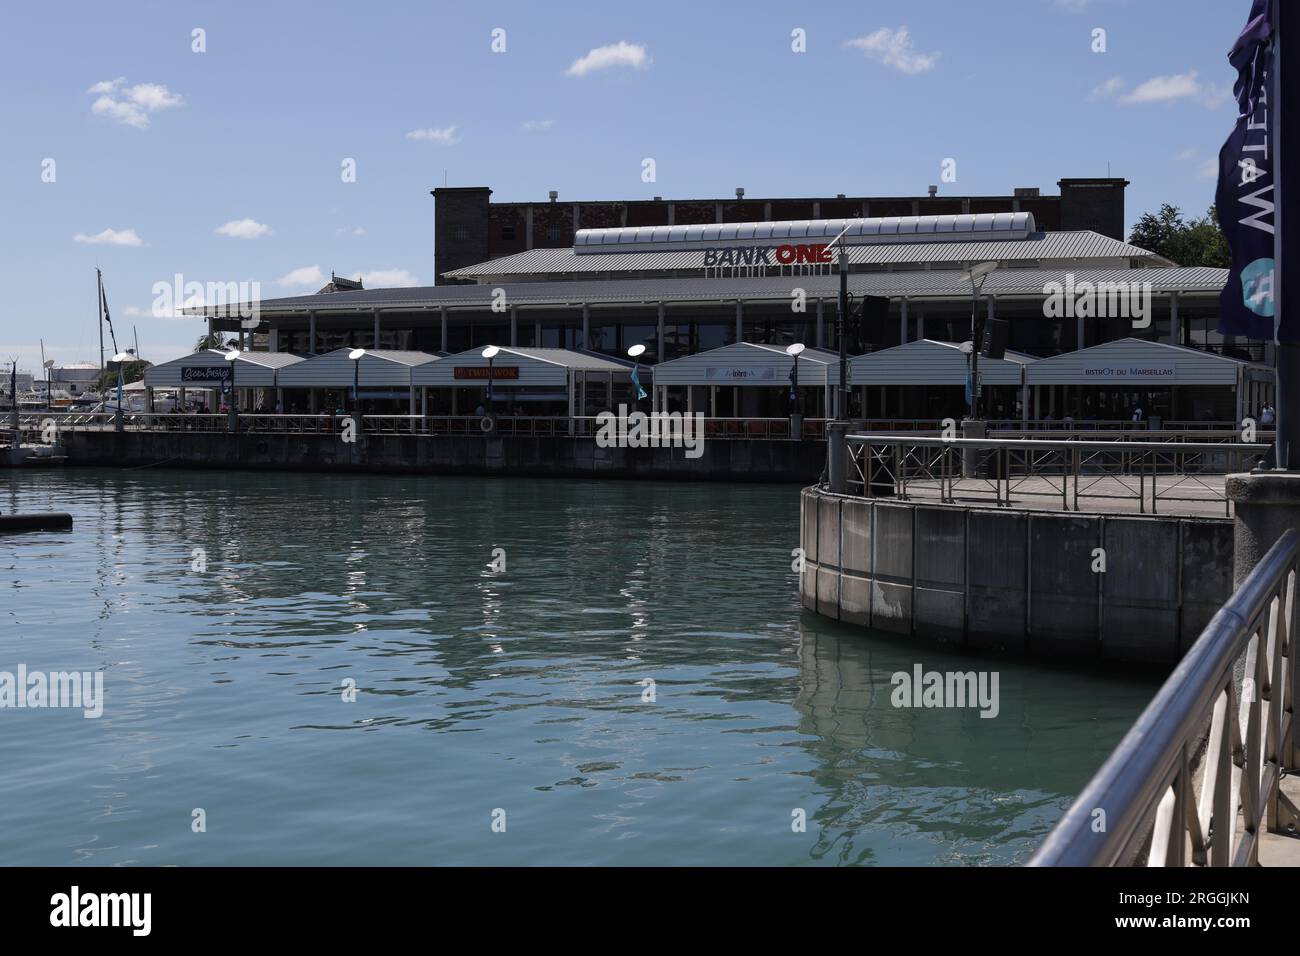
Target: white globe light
356	354
636	350
490	352
794	349
232	355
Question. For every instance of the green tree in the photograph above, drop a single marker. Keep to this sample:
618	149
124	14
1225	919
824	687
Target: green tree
132	371
214	341
1186	242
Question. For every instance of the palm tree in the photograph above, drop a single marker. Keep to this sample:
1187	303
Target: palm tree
213	341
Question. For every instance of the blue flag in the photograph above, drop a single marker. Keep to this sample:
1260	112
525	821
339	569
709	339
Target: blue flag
970	392
636	380
1245	198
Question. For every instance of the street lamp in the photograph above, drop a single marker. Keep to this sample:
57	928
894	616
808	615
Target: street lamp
490	353
49	395
796	420
356	355
635	353
975	275
232	413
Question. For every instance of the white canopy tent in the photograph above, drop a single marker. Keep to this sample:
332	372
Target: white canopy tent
743	366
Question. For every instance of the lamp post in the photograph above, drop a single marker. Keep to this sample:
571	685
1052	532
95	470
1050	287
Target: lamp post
796	420
49	395
975	275
232	413
490	353
356	355
635	353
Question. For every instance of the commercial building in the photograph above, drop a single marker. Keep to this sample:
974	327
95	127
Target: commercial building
690	288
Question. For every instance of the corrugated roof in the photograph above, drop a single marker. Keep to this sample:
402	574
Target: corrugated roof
921	283
1037	246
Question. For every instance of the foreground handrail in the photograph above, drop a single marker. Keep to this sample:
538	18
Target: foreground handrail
1147	790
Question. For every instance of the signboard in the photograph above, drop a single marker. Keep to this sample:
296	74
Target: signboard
712	374
1157	372
500	373
785	255
206	373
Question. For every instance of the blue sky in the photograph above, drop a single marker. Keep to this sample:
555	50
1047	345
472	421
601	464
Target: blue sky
156	148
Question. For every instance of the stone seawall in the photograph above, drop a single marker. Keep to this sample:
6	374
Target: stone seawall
721	459
1016	581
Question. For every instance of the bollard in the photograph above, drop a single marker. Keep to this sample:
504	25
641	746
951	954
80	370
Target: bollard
970	457
796	425
837	463
118	423
1266	503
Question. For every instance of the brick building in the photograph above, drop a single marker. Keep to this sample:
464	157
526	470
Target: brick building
469	228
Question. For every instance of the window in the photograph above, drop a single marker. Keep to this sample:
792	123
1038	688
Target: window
508	233
552	233
460	234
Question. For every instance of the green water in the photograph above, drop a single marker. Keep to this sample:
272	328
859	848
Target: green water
481	690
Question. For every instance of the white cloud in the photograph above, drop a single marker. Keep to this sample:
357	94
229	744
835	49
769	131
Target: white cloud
621	53
243	229
537	125
1107	90
130	105
351	230
894	48
306	275
443	137
135	312
386	279
1163	89
110	237
1074	5
1208	169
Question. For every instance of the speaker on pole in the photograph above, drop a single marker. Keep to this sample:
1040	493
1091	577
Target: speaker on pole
994	342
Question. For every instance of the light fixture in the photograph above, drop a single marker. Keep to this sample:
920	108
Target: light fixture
794	349
636	351
979	271
490	352
232	355
356	354
123	357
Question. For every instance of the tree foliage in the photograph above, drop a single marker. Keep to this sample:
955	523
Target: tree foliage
1186	242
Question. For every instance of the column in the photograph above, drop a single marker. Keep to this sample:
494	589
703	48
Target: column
273	339
514	325
902	322
740	321
659	333
442	321
1081	336
1175	323
376	339
586	329
920	326
311	333
819	340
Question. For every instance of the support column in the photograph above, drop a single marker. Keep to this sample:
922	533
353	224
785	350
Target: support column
902	323
740	321
1175	323
311	333
586	329
659	333
273	339
1082	337
820	326
514	324
376	338
920	326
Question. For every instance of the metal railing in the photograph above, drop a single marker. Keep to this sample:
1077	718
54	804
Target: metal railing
1000	471
1198	777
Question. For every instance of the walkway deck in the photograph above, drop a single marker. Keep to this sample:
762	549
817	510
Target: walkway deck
1193	495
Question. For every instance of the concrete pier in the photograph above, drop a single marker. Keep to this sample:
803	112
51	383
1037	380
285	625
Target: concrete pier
1018	581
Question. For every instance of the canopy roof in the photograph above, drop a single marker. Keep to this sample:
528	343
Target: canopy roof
1138	363
252	369
377	368
513	366
930	362
749	364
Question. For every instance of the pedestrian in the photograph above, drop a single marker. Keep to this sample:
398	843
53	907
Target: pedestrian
1267	416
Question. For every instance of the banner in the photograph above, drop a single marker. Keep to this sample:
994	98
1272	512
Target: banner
1245	198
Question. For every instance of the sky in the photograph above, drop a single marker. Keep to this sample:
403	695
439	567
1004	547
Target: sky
128	148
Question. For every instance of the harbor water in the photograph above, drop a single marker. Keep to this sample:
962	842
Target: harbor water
341	669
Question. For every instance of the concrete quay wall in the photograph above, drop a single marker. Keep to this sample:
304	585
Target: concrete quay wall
1016	581
768	460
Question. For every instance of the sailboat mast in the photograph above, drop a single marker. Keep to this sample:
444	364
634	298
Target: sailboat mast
99	304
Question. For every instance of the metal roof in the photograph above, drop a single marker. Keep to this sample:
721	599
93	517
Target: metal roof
856	231
918	283
1035	246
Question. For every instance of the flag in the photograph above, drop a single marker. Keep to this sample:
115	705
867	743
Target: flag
1244	198
119	385
636	380
970	392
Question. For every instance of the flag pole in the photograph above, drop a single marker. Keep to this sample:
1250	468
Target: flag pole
1287	419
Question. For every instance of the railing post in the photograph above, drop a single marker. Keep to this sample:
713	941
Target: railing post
837	456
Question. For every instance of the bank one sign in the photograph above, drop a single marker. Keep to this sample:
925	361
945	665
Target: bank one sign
785	255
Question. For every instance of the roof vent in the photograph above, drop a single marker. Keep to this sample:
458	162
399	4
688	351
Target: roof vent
933	191
1026	192
554	195
740	192
839	195
659	198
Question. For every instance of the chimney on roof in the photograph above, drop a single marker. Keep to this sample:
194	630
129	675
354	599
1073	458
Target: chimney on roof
839	195
933	191
554	195
740	192
659	198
